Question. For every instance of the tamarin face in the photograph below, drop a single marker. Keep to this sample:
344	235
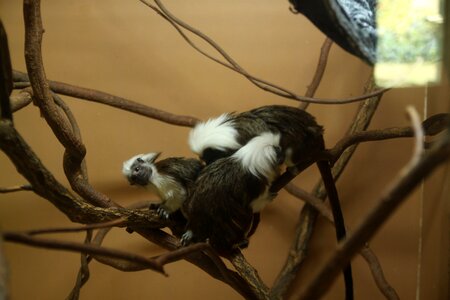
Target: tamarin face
139	169
169	178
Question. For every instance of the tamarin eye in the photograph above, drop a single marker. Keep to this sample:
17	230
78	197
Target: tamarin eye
137	169
140	160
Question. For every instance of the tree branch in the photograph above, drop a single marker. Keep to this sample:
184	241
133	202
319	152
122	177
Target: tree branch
320	70
25	187
308	214
250	274
366	252
230	63
113	101
419	167
84	248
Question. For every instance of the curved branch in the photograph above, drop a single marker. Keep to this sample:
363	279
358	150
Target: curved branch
250	274
419	167
114	101
83	248
366	252
320	70
308	214
432	126
233	65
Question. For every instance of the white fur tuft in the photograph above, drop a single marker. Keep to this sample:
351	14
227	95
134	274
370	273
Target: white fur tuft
259	155
126	168
215	133
149	157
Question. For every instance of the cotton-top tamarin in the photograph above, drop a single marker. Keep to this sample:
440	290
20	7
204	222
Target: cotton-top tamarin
301	139
221	206
169	178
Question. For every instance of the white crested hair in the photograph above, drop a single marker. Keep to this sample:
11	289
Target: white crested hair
149	157
215	133
259	155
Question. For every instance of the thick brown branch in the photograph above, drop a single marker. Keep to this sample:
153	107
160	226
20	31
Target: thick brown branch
74	148
392	197
45	185
19	101
114	101
250	274
41	90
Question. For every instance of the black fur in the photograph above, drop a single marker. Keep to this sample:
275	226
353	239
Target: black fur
299	131
218	208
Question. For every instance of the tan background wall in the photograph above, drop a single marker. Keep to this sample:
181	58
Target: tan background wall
123	48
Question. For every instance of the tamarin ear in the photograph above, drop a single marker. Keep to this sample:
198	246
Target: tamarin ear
150	157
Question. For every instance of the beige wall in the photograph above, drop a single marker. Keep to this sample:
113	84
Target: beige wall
123	48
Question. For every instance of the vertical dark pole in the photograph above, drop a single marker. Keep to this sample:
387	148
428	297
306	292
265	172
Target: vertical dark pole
6	84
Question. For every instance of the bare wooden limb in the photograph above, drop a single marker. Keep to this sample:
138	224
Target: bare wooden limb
320	70
74	148
370	257
308	214
432	126
377	273
79	247
419	167
250	274
83	273
114	101
19	101
4	274
233	65
17	188
118	222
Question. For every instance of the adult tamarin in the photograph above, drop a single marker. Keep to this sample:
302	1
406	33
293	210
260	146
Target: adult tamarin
301	140
169	178
221	206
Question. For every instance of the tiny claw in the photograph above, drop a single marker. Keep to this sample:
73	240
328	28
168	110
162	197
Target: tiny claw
186	238
163	213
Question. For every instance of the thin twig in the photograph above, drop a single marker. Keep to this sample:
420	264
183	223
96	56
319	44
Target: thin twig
83	273
118	222
25	187
377	273
24	238
233	65
431	126
418	168
320	70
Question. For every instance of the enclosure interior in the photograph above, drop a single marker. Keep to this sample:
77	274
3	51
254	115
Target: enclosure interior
123	48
